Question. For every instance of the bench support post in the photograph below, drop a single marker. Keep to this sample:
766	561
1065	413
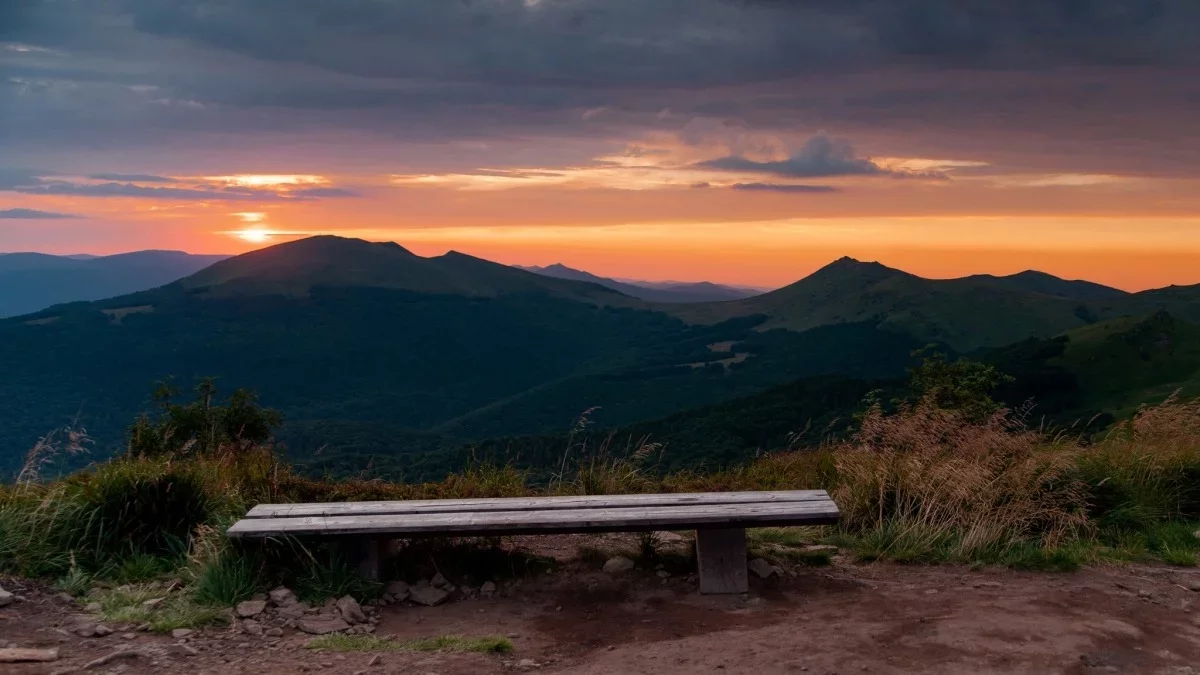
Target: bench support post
721	560
367	556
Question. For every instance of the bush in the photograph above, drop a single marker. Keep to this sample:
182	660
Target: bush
143	507
928	474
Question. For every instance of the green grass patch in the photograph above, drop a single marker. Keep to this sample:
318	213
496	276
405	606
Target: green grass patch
228	581
128	604
445	643
75	582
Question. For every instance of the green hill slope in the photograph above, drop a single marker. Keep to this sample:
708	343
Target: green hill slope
332	330
967	314
1109	367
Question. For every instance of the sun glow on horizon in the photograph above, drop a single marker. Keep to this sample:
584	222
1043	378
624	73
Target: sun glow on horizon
254	235
268	180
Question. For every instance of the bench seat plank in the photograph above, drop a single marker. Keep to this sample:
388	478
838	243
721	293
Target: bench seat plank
548	521
532	503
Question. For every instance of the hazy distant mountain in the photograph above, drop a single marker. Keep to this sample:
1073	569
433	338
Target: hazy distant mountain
34	281
651	291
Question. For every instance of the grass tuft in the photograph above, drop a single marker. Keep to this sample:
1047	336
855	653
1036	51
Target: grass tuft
128	604
445	643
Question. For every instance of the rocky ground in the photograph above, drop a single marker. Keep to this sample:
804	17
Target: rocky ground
842	619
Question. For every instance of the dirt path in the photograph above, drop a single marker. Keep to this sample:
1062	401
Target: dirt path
847	619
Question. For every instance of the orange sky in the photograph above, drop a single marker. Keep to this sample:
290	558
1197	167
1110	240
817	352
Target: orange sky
650	222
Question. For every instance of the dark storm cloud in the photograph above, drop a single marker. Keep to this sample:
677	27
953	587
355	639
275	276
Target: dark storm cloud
821	157
785	188
139	72
596	42
32	214
132	177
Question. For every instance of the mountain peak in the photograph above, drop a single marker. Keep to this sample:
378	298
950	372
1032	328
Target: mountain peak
845	269
295	268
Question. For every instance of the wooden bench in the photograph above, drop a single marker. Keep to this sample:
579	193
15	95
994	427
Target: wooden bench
720	520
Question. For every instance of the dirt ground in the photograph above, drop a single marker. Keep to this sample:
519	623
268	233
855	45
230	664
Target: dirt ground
843	619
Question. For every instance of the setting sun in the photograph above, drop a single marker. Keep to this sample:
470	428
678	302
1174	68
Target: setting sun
256	235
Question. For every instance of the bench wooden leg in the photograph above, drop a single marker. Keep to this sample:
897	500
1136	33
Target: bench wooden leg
721	559
367	555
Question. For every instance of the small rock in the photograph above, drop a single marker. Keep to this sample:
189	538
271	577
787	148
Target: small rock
931	591
322	626
428	595
180	633
989	584
527	664
762	568
101	630
617	565
182	650
668	537
85	630
250	608
93	608
6	598
439	580
295	610
273	632
128	636
350	610
65	597
663	574
1145	594
282	596
252	627
488	588
1194	585
398	590
374	660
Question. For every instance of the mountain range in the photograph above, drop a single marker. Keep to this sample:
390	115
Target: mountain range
30	282
652	291
370	347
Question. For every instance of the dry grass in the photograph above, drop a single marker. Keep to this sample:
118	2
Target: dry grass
931	472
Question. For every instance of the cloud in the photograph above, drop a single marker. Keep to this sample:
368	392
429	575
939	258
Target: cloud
33	214
821	157
132	178
63	188
249	187
322	193
783	187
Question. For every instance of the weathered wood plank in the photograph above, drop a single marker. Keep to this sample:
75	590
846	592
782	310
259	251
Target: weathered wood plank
548	521
531	503
721	561
19	655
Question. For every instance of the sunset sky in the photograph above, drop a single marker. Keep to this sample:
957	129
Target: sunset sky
740	141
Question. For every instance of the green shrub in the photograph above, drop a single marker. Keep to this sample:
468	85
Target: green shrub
142	507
